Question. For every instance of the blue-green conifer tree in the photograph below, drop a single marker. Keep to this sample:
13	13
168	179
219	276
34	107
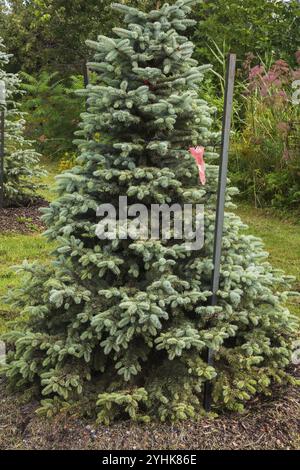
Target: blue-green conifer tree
22	171
121	327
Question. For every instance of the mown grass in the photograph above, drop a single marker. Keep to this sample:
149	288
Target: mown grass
282	240
14	249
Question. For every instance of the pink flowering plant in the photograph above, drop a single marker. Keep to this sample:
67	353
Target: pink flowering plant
273	84
267	149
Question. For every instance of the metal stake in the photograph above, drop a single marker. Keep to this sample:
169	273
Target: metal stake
219	224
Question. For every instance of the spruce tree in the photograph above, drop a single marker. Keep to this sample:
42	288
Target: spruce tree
121	327
21	163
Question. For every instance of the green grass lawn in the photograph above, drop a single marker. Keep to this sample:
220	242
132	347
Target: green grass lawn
13	250
281	238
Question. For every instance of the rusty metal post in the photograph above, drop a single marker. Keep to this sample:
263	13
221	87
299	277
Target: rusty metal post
219	224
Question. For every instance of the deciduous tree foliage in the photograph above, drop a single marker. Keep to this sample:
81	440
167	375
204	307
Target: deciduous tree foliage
120	327
260	27
51	34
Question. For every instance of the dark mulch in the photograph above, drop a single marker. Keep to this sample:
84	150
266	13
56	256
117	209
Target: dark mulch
26	219
267	424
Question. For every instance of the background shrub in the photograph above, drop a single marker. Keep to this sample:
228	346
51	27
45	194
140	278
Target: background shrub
53	110
266	151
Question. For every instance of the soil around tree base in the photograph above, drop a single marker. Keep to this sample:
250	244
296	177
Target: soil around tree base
267	424
22	220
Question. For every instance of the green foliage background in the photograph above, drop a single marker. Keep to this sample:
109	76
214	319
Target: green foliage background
261	27
51	33
53	111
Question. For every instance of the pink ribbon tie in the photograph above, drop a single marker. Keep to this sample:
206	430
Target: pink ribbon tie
198	154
